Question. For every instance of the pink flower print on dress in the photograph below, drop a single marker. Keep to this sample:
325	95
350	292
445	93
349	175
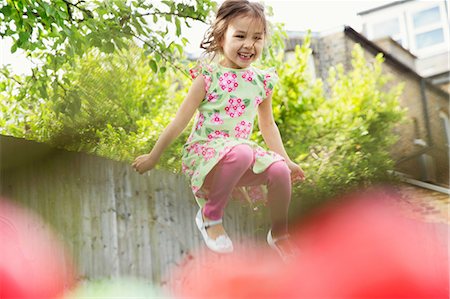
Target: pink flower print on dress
212	97
258	100
184	167
207	82
235	108
267	88
228	82
189	148
224	151
200	150
217	134
194	73
248	75
216	119
195	188
208	153
200	120
197	148
260	152
209	68
243	129
276	156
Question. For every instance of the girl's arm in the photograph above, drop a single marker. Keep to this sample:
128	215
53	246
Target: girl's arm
184	114
272	137
269	129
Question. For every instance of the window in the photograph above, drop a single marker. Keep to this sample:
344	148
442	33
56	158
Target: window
428	28
429	38
427	17
386	28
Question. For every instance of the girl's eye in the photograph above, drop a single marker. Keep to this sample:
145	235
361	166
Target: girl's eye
239	36
258	38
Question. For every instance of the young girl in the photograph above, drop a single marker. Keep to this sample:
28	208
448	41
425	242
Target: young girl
218	156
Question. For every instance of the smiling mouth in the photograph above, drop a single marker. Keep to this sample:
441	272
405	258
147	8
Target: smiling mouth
245	56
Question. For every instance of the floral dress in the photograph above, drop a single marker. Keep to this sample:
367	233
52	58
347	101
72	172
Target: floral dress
225	119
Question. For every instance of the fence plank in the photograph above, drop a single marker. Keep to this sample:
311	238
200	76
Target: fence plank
114	221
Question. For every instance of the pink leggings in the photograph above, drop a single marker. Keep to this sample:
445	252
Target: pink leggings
233	170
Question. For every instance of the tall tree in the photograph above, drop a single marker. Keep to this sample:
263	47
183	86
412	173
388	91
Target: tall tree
54	29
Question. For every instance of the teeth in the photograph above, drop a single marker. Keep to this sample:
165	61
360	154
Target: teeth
245	55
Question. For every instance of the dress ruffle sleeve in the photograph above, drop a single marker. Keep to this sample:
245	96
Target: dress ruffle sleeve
270	80
202	69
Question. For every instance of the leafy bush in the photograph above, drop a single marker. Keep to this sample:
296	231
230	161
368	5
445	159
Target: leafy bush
341	140
112	105
115	105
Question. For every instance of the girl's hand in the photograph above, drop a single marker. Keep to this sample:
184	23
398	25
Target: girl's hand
297	173
144	163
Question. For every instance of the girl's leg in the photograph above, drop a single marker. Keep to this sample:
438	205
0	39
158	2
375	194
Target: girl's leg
278	179
224	177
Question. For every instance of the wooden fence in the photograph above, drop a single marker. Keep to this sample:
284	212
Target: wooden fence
114	221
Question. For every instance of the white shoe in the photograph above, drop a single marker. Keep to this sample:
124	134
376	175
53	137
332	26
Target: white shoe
222	244
272	243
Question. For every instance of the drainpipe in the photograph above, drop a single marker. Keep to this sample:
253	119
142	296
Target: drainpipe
425	111
426	161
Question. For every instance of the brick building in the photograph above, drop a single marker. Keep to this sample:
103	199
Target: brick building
422	151
421	27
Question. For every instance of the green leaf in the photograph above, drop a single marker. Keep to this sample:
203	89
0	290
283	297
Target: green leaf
154	66
109	47
24	36
178	25
43	92
180	48
14	47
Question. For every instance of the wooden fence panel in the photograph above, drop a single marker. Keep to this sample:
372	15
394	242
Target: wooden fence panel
116	222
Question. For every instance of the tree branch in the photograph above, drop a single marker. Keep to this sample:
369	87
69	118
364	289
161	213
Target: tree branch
10	77
162	55
69	11
84	10
170	14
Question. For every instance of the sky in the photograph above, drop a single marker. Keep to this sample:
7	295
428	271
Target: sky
297	15
301	15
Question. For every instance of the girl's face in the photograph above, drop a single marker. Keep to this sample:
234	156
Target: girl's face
242	42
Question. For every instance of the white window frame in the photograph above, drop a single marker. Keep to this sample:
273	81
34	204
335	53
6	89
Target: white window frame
443	24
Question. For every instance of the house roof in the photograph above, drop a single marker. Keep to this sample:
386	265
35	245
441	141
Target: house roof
396	44
374	49
440	78
297	37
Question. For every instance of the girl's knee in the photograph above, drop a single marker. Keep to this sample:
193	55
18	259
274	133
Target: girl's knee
278	171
